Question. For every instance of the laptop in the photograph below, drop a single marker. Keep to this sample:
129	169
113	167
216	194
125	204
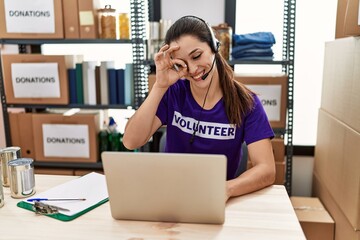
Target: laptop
166	187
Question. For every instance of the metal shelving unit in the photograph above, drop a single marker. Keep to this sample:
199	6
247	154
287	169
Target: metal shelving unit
287	63
138	18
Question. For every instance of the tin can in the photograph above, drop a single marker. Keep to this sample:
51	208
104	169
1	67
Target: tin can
6	155
22	179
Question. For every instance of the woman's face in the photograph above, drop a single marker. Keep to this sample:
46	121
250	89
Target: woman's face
197	56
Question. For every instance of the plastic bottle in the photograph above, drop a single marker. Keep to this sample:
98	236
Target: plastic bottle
114	136
103	139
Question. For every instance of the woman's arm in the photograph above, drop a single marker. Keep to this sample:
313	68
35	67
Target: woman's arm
143	124
261	175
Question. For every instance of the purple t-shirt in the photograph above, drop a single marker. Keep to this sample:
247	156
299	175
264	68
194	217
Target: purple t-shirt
181	113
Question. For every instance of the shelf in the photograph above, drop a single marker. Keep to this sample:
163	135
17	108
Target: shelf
234	62
262	62
69	41
72	165
69	106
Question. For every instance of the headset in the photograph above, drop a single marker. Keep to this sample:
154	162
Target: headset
215	44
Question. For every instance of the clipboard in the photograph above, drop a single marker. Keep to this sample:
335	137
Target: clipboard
92	187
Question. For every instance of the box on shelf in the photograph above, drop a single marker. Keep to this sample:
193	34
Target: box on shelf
60	138
315	221
31	19
337	164
272	91
71	19
21	132
347	18
341	80
35	79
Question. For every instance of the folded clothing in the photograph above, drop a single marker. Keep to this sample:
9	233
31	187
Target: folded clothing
256	37
256	58
239	48
252	52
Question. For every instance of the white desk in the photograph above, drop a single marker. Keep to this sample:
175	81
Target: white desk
265	214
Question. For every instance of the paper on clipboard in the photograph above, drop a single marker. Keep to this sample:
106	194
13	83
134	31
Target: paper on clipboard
92	187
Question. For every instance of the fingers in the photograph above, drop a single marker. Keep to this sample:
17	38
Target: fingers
165	51
179	65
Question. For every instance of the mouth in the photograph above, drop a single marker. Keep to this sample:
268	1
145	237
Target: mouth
198	76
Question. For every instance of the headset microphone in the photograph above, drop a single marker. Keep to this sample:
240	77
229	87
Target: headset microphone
207	74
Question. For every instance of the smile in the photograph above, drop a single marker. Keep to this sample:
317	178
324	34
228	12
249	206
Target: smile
197	77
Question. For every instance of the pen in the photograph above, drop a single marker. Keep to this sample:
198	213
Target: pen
55	199
176	67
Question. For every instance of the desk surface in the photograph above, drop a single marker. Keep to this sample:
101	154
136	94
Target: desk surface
265	214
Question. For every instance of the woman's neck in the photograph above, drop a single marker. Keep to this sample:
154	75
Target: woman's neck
212	92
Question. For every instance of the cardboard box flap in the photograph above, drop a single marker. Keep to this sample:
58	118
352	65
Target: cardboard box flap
310	210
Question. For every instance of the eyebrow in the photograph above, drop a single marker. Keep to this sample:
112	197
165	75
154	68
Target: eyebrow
193	51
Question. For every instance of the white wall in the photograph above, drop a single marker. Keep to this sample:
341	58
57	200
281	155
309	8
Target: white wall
212	11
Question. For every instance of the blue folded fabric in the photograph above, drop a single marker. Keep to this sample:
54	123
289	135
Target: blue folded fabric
256	37
252	52
251	46
256	58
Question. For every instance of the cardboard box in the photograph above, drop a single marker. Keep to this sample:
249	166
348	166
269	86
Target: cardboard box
315	221
337	164
71	19
343	228
43	19
278	149
347	18
60	138
21	132
82	172
43	82
87	20
272	91
341	81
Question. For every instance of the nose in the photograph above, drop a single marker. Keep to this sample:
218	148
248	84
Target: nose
191	68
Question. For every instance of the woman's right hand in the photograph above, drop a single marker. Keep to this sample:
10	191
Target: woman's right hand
166	71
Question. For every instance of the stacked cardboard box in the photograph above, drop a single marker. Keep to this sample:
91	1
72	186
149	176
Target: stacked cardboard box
347	18
315	221
337	153
53	137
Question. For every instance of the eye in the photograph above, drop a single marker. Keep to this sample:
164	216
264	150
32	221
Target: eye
197	56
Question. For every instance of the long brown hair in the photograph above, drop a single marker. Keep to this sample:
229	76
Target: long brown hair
238	99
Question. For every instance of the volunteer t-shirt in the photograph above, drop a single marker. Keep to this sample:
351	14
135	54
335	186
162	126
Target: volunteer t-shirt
191	129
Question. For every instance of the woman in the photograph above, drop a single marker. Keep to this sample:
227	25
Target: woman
204	108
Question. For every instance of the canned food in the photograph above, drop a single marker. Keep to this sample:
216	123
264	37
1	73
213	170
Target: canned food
6	155
22	179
